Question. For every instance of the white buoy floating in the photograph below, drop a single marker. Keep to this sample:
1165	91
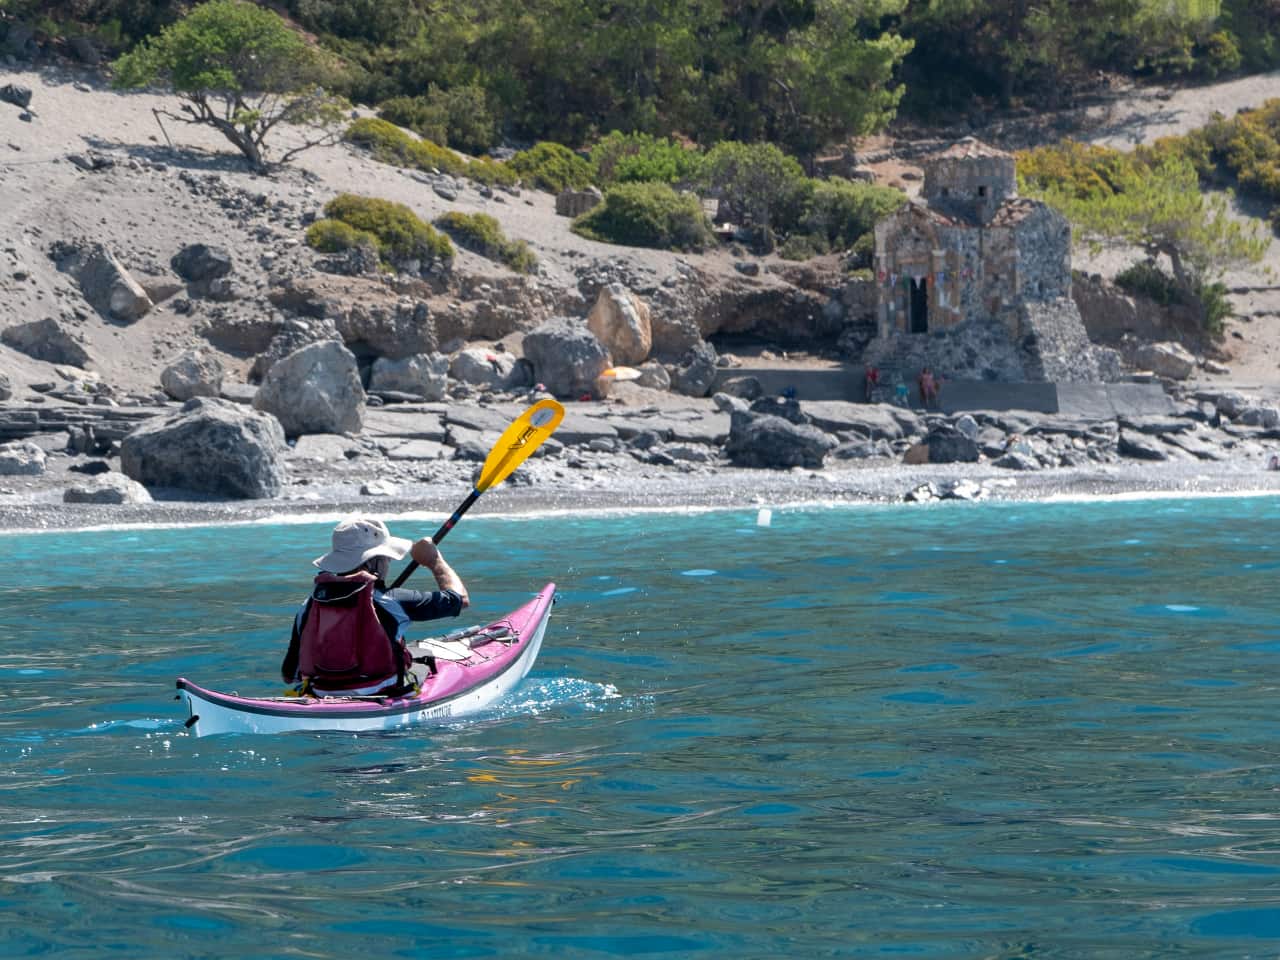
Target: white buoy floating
764	518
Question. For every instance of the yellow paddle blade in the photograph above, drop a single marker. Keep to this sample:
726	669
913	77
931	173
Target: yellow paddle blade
518	441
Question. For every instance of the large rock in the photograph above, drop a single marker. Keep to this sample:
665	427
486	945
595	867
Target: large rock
423	374
111	288
948	445
196	373
209	446
567	358
106	284
695	372
654	376
764	440
21	458
1140	446
574	203
1170	360
315	390
620	320
46	339
15	93
483	367
201	263
107	488
292	335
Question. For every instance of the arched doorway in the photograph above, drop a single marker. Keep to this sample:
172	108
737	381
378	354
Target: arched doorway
919	305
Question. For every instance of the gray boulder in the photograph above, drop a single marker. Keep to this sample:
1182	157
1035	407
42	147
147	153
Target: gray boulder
696	371
22	458
209	446
620	320
876	421
1017	460
315	390
15	93
107	488
1170	360
1140	446
483	367
763	440
574	203
748	388
46	339
106	284
111	289
292	335
195	373
654	376
784	407
1261	415
423	374
201	263
948	445
567	358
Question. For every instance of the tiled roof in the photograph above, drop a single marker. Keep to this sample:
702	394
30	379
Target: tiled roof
967	149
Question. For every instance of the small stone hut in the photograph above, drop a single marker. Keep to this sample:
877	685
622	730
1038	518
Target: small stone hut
975	281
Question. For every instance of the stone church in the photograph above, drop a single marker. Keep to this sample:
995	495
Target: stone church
975	281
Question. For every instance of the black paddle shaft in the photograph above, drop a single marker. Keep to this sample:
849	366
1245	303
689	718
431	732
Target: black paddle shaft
440	534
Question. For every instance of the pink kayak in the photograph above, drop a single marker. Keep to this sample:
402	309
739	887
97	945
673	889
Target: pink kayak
473	669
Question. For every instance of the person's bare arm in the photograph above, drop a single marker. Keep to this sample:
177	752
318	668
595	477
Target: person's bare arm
427	554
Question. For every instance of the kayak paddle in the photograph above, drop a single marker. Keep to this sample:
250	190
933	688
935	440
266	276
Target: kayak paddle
519	440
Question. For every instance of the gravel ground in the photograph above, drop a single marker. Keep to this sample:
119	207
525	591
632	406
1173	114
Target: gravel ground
726	488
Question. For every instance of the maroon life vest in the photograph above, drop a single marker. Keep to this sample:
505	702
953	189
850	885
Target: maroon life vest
343	644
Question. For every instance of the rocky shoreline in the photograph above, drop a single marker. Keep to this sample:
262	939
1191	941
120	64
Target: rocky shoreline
646	450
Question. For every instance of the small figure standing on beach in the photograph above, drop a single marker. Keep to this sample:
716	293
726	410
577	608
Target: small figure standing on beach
928	388
872	376
901	394
1274	462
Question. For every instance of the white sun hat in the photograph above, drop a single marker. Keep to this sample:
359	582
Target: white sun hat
358	539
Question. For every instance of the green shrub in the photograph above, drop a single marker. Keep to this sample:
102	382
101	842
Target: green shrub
390	144
647	215
802	246
1219	53
766	187
422	116
483	234
863	251
334	236
1214	303
639	158
458	117
400	234
843	211
493	172
1146	279
1082	170
552	167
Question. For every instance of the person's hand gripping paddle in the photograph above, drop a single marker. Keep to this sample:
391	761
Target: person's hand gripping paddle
512	449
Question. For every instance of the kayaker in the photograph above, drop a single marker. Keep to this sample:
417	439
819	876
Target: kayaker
348	636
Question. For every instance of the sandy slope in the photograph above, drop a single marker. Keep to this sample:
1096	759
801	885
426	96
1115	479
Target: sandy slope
145	215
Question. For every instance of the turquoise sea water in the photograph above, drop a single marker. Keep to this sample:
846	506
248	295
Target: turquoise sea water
1006	730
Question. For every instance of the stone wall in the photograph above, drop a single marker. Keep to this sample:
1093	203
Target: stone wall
1043	241
969	188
